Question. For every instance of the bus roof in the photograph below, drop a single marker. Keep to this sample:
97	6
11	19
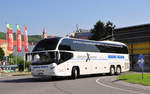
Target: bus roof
105	41
114	42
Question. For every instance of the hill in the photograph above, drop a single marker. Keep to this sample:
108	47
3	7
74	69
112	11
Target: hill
31	38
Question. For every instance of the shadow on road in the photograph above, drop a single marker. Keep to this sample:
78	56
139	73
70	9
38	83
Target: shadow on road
91	76
32	79
28	80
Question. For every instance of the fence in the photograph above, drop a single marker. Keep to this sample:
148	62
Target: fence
9	68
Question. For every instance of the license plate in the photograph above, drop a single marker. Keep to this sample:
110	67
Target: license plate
40	71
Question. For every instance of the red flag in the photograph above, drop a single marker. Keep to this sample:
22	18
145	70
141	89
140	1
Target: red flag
25	39
19	39
10	39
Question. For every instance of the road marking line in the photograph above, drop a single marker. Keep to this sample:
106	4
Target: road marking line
97	81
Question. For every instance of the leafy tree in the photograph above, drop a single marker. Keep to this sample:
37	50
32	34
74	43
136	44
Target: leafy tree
101	30
98	31
34	38
2	54
109	27
19	61
2	35
31	38
11	56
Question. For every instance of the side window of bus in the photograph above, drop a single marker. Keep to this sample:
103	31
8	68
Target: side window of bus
109	49
65	45
84	47
102	48
64	56
124	50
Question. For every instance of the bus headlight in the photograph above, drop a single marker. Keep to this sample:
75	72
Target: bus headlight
36	57
53	65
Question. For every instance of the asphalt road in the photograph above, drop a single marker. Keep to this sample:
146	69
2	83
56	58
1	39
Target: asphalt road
85	85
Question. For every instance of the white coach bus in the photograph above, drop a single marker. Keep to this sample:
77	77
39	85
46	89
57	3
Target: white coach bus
74	57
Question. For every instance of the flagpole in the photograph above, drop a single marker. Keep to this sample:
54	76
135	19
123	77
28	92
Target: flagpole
6	37
24	53
16	49
25	40
6	42
7	54
16	56
24	62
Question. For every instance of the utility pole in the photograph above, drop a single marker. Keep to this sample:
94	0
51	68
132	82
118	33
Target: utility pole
77	26
112	34
113	28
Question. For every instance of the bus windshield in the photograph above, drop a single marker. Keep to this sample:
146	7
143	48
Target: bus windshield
47	57
46	44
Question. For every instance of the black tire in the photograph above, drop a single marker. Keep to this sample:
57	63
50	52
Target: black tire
53	78
112	70
118	70
74	73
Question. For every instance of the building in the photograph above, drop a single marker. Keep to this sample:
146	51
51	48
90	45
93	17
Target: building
137	39
82	34
3	45
44	35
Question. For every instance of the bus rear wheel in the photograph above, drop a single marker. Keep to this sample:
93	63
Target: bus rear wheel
112	70
53	78
118	70
74	73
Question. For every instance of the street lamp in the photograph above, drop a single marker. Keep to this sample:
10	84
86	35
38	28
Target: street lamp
113	28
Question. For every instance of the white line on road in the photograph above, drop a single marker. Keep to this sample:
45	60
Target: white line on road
97	81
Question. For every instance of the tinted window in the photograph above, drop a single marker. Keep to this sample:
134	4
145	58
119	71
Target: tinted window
77	45
46	44
89	46
124	50
45	58
64	56
84	47
65	45
111	49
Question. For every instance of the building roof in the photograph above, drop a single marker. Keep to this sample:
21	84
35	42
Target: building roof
135	26
137	33
83	30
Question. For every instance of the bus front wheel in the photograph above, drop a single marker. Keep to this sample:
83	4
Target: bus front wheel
74	73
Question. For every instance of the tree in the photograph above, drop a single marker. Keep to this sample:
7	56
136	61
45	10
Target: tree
109	27
98	31
11	56
19	61
101	31
2	54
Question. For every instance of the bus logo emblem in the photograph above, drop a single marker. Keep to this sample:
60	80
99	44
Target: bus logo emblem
88	57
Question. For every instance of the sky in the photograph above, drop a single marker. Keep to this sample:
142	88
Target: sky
60	17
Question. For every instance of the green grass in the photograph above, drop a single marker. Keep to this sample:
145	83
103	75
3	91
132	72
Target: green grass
136	78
